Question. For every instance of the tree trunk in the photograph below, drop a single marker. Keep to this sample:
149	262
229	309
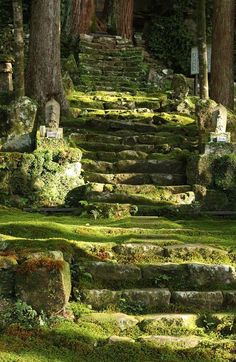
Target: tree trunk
83	17
19	48
202	46
120	18
44	69
222	88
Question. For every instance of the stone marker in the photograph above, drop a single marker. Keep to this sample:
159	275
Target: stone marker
6	83
180	86
220	118
52	114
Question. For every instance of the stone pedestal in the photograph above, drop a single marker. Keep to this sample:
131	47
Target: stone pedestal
6	83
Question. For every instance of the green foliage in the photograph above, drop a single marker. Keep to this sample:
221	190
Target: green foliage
224	170
23	315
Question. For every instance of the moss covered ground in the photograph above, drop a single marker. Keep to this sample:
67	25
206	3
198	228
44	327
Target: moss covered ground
86	339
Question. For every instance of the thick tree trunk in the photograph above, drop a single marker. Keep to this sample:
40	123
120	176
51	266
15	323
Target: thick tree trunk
202	46
44	69
19	48
120	18
222	88
83	17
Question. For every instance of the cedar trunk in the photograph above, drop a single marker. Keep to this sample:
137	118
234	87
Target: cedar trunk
82	17
120	18
19	48
44	69
222	88
202	46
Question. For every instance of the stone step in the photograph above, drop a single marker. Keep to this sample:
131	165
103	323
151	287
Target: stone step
110	68
143	139
183	276
135	166
184	252
178	343
116	58
103	73
157	299
160	179
96	48
132	155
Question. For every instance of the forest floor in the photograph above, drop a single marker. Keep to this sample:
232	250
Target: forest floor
85	339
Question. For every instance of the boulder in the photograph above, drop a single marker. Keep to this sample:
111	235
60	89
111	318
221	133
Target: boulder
230	298
101	298
119	339
44	283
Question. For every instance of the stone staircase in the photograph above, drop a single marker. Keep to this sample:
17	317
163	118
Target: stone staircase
160	289
110	63
133	161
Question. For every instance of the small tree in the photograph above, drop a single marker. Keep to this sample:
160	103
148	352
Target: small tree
202	46
19	48
222	87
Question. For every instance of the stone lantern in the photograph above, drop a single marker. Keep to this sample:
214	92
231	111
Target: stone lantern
6	83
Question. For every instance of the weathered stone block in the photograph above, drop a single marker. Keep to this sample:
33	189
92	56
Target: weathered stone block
198	300
116	272
230	298
138	249
44	283
150	298
101	298
193	251
202	275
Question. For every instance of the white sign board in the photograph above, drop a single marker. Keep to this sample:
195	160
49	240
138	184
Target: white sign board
195	60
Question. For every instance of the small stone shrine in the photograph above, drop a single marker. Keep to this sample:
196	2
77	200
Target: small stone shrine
52	121
6	83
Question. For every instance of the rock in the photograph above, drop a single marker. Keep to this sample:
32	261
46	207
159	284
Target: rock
44	283
230	298
172	342
111	271
198	300
22	114
55	255
180	86
101	298
7	276
86	37
165	274
119	339
202	275
149	298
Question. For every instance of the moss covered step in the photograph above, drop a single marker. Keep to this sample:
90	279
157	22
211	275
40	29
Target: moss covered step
127	58
146	139
160	179
145	194
156	300
94	48
101	73
135	166
175	276
133	155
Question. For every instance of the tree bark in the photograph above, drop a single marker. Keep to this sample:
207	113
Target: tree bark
222	87
202	46
44	69
120	18
83	17
19	48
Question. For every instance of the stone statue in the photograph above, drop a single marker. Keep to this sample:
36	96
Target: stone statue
52	114
221	124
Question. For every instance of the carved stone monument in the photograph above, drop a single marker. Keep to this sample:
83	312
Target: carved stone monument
52	120
220	134
6	83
